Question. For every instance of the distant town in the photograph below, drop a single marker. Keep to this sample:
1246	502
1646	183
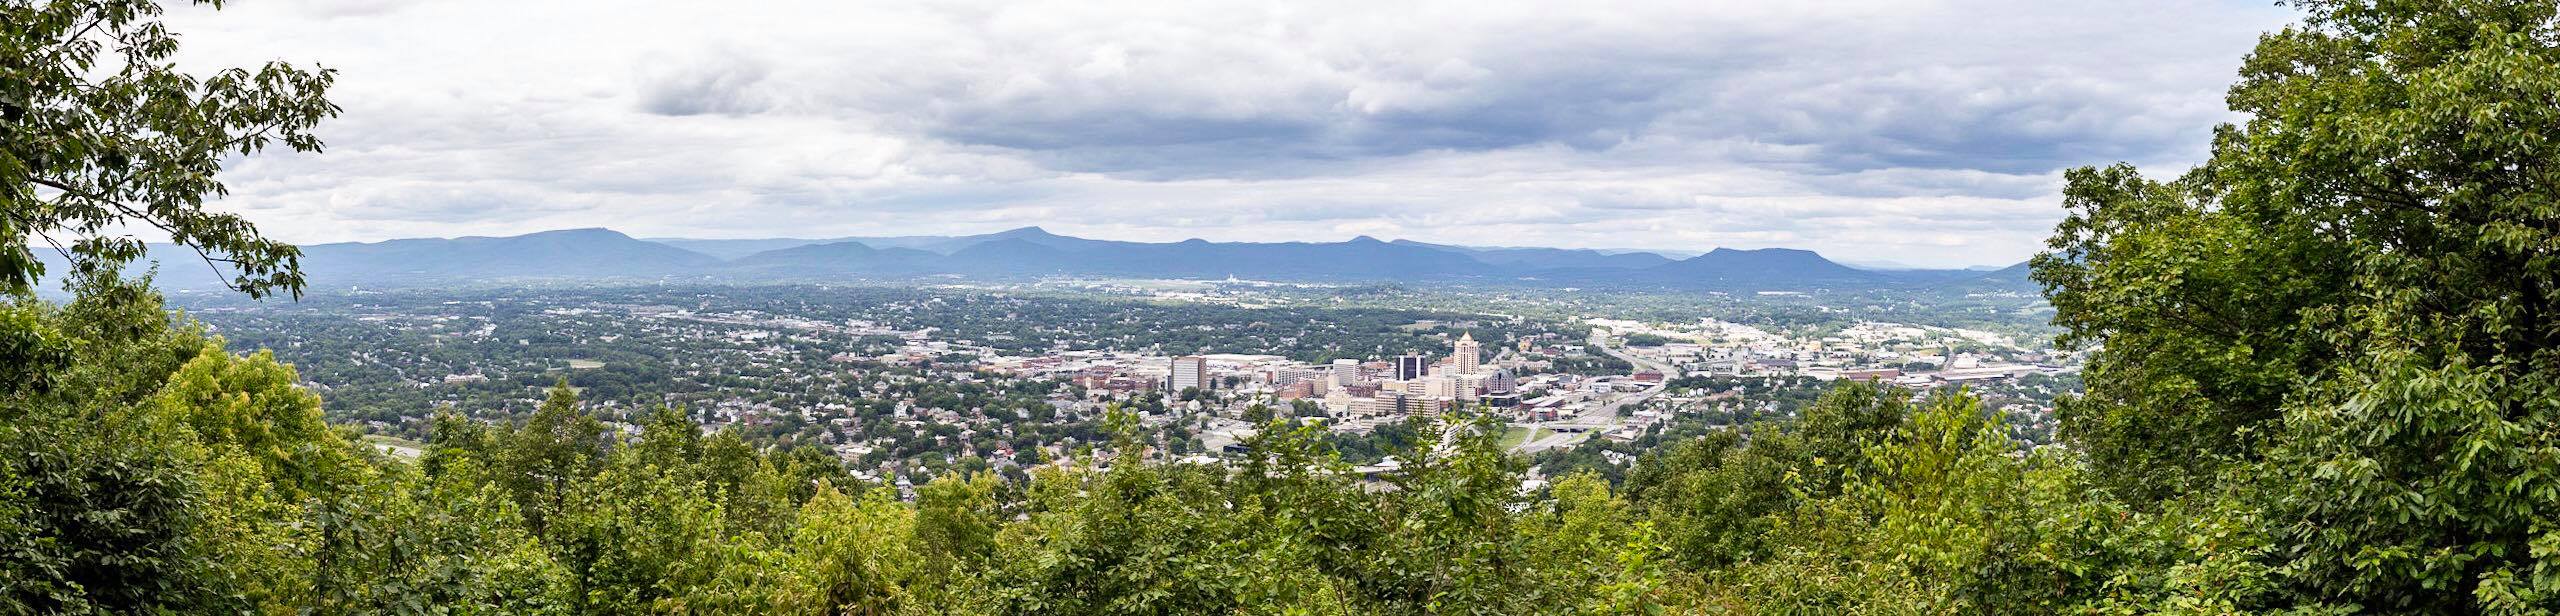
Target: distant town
905	383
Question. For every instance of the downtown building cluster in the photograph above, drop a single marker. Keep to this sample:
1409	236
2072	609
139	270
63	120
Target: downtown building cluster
1394	387
1347	389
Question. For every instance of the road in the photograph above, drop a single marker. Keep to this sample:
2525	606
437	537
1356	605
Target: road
1602	418
1547	440
1601	341
1667	371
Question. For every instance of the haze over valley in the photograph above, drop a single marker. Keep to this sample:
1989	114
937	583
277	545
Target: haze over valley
1031	253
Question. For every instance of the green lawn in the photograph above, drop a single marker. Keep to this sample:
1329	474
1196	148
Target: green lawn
395	445
1516	435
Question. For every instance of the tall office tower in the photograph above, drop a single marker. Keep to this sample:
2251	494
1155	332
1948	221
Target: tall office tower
1501	382
1189	371
1439	387
1410	367
1345	372
1295	373
1472	385
1468	354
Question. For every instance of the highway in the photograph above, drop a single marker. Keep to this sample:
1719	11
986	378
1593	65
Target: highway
1601	341
1600	418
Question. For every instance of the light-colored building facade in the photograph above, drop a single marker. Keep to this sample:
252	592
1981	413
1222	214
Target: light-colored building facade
1468	354
1189	372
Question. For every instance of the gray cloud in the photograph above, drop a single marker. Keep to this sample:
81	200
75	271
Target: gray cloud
1870	129
723	83
2024	94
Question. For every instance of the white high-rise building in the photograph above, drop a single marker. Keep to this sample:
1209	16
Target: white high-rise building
1287	374
1469	385
1345	372
1189	372
1440	387
1381	405
1468	353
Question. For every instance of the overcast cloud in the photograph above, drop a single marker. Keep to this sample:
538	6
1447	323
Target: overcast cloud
1910	131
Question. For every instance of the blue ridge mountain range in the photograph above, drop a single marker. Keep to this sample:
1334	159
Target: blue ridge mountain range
1030	252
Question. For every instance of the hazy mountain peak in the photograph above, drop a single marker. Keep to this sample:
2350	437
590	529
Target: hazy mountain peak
1030	231
1762	251
594	233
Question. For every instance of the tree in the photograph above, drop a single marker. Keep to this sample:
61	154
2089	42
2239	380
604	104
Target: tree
98	130
103	501
1713	499
404	543
850	556
2345	326
552	450
955	521
250	404
1941	513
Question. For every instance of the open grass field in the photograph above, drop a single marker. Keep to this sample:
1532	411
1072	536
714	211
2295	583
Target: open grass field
1517	435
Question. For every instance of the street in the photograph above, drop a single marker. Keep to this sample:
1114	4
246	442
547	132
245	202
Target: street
1600	418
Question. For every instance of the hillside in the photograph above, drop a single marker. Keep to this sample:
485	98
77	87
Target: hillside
568	253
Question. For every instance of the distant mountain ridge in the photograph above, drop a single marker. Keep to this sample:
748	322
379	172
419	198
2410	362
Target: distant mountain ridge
1765	268
593	252
1032	252
1552	258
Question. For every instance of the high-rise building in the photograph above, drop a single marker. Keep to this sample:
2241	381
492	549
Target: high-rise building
1411	366
1380	405
1345	372
1287	374
1470	386
1441	387
1501	381
1468	353
1427	407
1189	371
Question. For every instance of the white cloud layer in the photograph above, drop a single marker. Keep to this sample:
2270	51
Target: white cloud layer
1918	132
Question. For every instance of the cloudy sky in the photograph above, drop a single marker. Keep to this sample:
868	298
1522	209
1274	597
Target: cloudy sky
1920	132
